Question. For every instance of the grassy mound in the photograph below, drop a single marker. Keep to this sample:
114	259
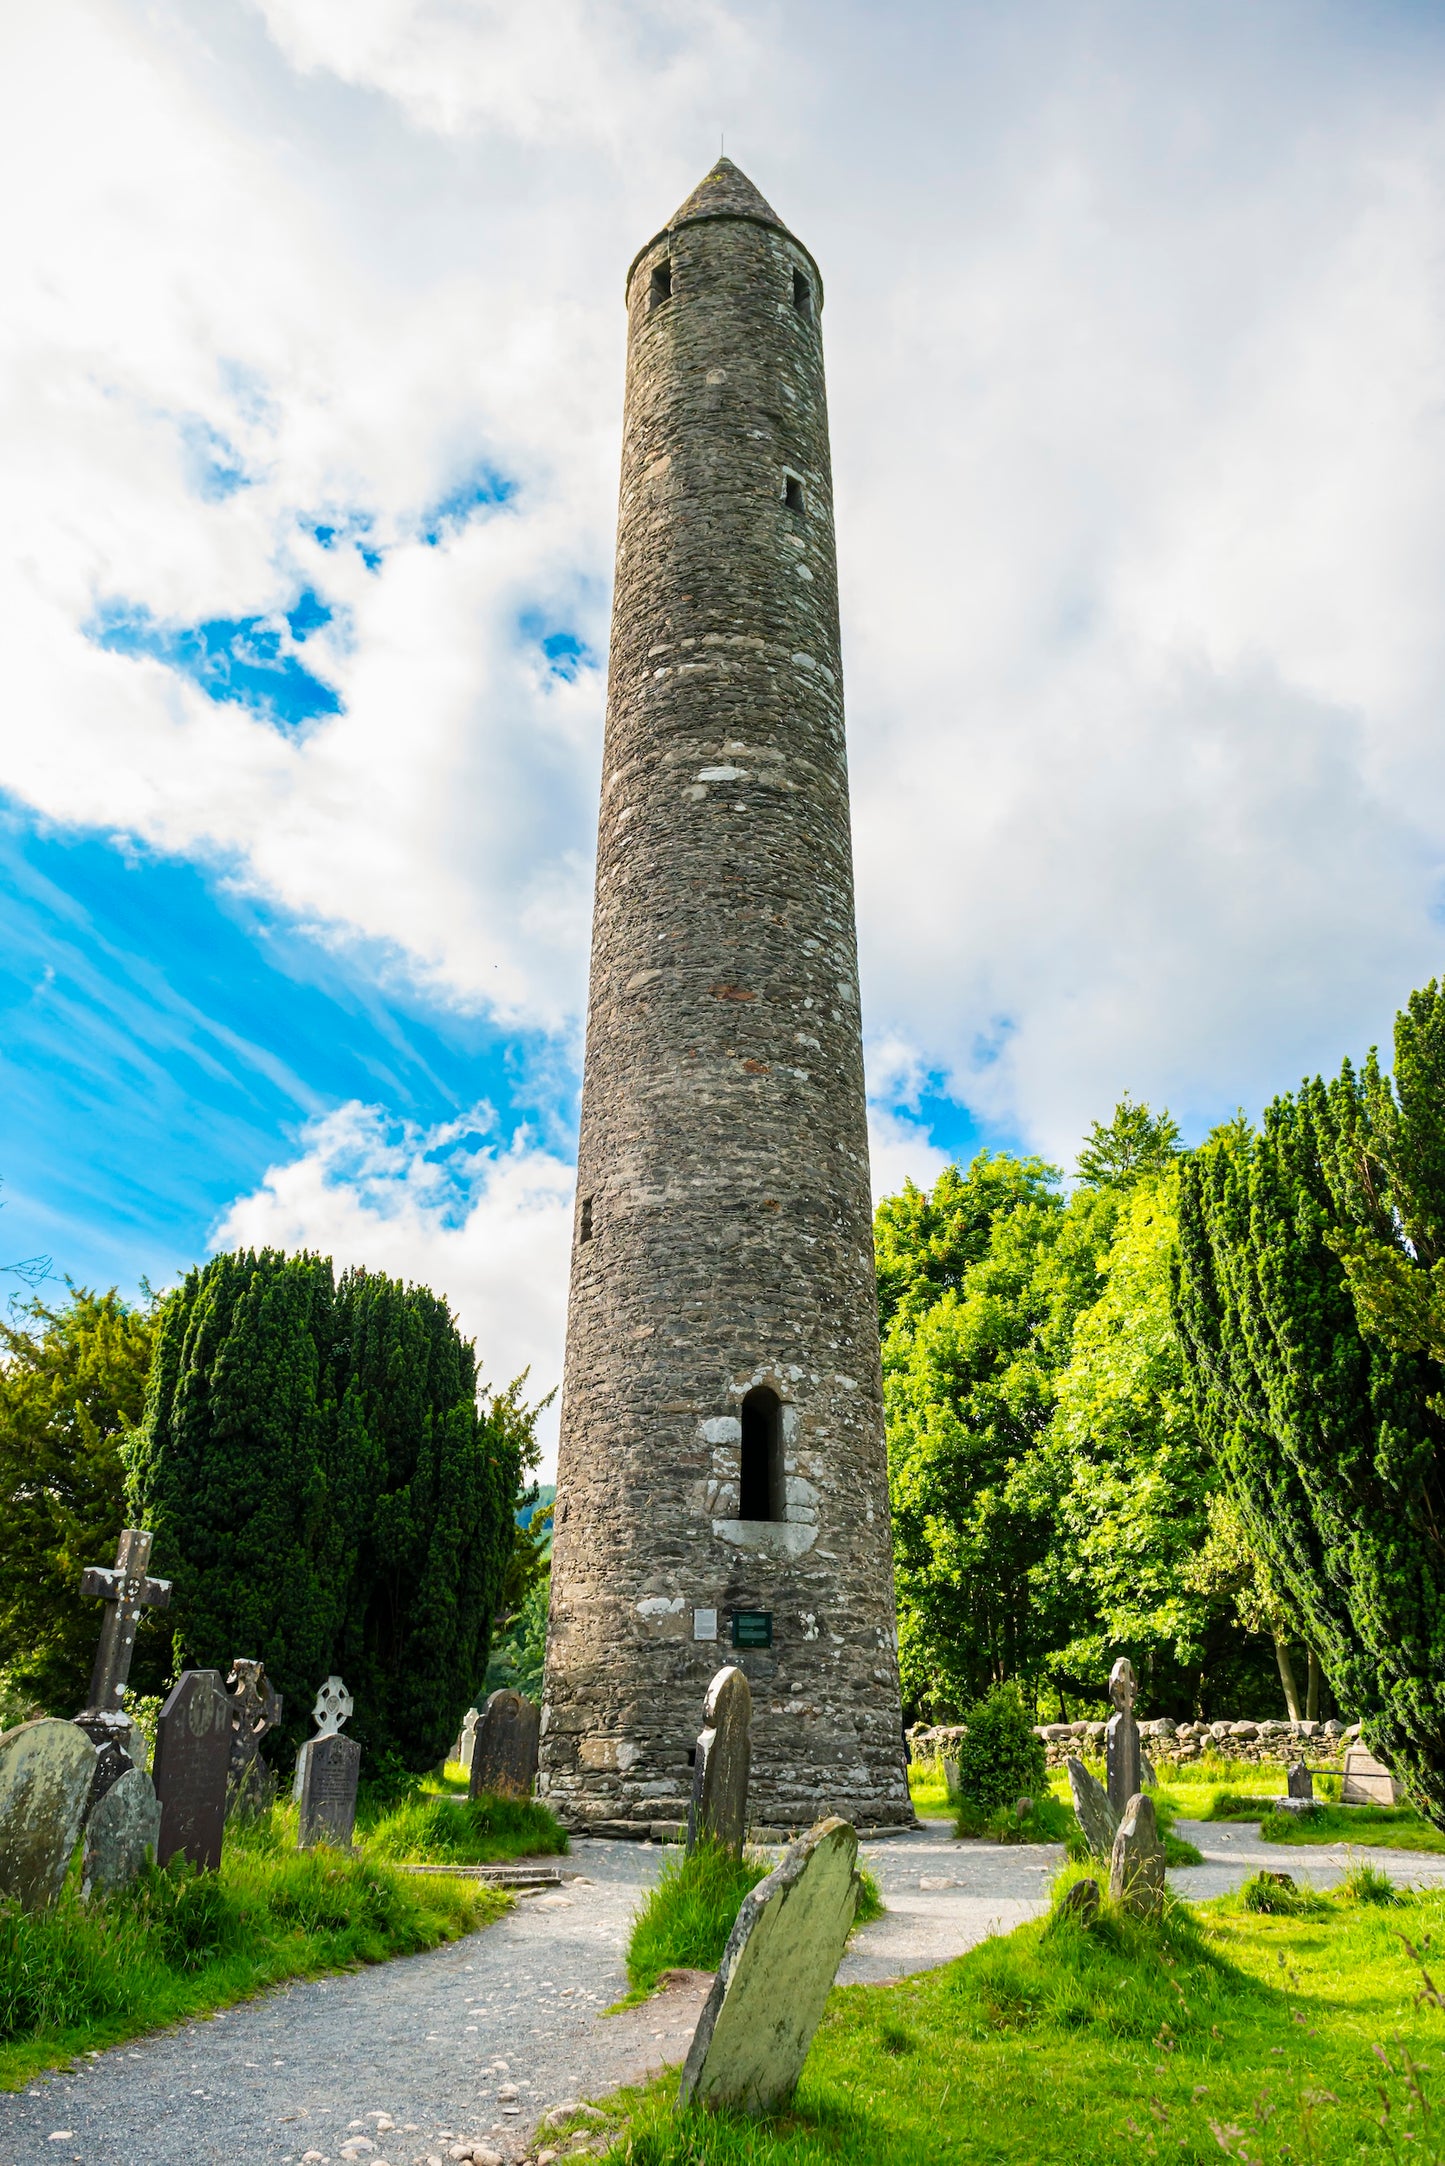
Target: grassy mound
439	1830
179	1943
1222	2032
685	1921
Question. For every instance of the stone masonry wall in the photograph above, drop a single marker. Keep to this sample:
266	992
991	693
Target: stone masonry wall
723	1235
1169	1743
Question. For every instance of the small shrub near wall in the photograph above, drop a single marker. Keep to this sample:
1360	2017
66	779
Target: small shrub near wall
1000	1755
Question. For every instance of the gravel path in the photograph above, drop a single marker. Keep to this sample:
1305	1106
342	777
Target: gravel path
431	2044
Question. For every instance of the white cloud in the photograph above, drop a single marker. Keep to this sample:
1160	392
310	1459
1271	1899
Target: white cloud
489	1228
1135	331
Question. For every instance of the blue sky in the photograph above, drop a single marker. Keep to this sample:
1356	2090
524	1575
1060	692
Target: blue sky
1135	325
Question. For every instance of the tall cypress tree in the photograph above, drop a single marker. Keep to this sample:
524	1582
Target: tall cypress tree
1304	1298
326	1492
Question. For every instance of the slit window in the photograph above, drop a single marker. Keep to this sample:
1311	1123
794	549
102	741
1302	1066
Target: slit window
793	494
584	1227
661	287
803	296
760	1486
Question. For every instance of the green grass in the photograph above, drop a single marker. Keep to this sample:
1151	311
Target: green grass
1274	2040
684	1922
1364	1827
178	1943
928	1790
434	1829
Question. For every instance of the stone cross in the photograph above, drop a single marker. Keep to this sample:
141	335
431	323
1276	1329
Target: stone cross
777	1971
719	1807
1121	1738
255	1709
333	1707
126	1589
193	1758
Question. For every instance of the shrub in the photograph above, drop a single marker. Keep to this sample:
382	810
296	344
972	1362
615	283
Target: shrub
1000	1759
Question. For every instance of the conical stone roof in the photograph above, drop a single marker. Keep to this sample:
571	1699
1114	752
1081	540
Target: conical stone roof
726	192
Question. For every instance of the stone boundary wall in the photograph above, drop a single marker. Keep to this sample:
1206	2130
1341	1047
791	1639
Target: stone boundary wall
1321	1743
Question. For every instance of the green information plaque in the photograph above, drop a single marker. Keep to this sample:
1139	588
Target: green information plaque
752	1628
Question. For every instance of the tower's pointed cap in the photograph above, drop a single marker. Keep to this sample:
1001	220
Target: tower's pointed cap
726	192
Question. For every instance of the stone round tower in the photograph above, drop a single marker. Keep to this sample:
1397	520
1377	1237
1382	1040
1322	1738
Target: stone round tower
722	1483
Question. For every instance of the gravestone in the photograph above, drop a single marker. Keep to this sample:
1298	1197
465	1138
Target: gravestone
126	1589
1136	1869
1121	1737
122	1830
333	1708
46	1772
782	1955
1301	1782
952	1781
467	1740
504	1751
255	1710
192	1763
1367	1781
1081	1901
718	1810
1098	1821
328	1792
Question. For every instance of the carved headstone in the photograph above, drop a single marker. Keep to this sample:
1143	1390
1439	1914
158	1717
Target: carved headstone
719	1807
46	1772
1136	1869
121	1832
1367	1781
328	1792
255	1706
1098	1821
776	1973
1121	1737
467	1741
1301	1782
192	1764
504	1753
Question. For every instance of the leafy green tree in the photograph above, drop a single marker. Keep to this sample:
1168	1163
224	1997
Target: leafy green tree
72	1383
1002	1757
326	1492
1321	1401
1134	1142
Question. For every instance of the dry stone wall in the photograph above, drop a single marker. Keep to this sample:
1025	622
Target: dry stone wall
723	1238
1166	1742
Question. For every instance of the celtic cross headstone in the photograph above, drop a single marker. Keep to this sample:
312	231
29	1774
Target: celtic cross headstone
255	1711
328	1767
333	1708
1121	1738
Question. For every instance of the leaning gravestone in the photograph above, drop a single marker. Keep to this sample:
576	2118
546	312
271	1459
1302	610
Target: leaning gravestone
46	1772
504	1754
1367	1781
1136	1869
1121	1737
255	1710
718	1811
193	1758
121	1832
782	1955
1098	1821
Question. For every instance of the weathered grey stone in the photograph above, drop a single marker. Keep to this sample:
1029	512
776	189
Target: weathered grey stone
718	1810
1136	1869
331	1770
467	1739
46	1772
1081	1901
1098	1821
504	1752
1301	1781
255	1711
121	1832
782	1955
722	1445
192	1763
1121	1738
1367	1781
330	1715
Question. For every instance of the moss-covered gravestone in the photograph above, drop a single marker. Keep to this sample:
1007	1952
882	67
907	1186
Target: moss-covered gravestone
46	1772
1136	1868
767	2000
124	1829
718	1811
1098	1821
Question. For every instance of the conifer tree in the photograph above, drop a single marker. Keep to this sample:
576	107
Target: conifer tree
1303	1296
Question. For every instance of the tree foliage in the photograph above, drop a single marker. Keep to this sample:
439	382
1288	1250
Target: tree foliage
1001	1757
72	1382
1306	1279
326	1492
